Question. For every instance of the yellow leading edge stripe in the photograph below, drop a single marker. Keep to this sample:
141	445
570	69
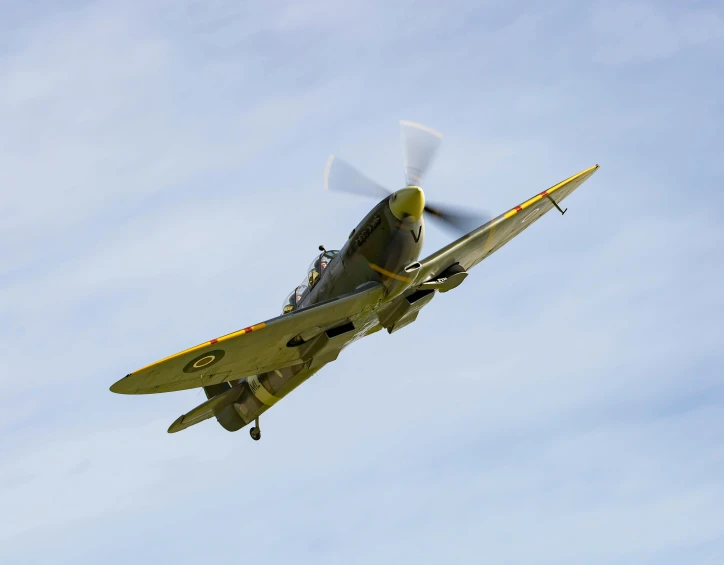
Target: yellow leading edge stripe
206	344
548	192
389	273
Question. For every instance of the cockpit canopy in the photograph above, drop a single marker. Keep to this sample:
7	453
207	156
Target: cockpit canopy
314	273
294	298
318	265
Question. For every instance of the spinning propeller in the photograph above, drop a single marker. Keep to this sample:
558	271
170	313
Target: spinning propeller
419	145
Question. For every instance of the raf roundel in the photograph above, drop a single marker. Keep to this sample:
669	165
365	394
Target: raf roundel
204	361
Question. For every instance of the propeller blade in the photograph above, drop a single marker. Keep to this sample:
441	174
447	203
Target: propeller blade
340	176
419	145
457	220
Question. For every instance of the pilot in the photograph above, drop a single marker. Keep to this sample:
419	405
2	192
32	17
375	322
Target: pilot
319	265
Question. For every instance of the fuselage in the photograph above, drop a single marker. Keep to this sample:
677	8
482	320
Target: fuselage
376	250
388	239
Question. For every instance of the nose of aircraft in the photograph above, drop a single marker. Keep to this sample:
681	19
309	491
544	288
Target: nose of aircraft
408	202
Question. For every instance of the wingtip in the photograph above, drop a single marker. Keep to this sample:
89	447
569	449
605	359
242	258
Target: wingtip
118	387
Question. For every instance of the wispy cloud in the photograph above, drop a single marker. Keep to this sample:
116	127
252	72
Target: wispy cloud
637	32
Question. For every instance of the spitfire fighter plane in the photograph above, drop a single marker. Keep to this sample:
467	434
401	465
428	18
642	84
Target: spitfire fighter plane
375	281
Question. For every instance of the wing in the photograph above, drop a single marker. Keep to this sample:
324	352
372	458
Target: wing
251	351
472	248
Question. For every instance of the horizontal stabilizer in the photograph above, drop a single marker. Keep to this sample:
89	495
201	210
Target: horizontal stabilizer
207	410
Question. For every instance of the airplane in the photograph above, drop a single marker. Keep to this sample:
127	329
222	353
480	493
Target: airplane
375	281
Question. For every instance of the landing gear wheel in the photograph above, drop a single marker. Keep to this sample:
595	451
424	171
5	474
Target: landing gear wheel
255	432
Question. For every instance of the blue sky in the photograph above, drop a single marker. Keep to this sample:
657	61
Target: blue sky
161	179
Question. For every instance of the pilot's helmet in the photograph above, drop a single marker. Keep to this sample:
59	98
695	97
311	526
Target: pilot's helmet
298	293
321	263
